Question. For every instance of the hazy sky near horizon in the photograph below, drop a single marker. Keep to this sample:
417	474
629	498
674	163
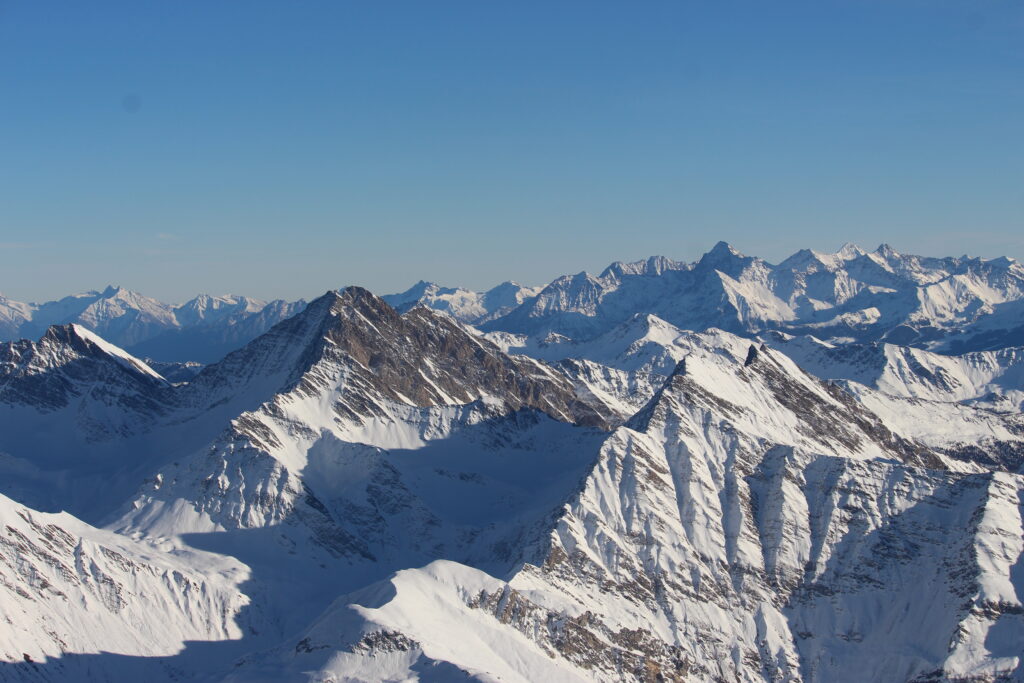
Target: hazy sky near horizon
279	149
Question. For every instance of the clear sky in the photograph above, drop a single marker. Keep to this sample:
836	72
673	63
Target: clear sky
282	148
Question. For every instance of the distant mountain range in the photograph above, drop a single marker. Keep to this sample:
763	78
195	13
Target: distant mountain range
717	471
941	304
203	329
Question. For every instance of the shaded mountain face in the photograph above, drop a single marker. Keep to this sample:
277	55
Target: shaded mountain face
360	493
724	533
71	376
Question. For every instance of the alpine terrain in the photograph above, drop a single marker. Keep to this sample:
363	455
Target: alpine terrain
725	470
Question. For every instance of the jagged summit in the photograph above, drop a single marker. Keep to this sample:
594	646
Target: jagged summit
886	251
944	304
371	489
356	296
721	254
69	345
354	343
653	265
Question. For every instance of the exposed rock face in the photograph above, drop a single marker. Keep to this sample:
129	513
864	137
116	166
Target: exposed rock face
427	360
363	494
72	392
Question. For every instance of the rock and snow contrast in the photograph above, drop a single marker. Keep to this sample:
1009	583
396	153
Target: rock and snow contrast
718	471
949	305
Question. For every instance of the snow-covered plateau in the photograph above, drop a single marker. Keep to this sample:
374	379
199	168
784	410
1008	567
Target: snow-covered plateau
725	470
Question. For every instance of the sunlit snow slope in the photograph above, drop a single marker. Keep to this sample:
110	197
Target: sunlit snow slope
359	494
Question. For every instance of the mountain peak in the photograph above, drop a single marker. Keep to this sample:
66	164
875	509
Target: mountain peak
652	265
722	247
352	342
849	251
722	256
362	300
721	250
886	251
87	343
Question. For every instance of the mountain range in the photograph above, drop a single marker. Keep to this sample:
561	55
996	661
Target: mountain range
718	471
950	305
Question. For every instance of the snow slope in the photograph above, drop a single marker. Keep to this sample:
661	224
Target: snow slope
705	544
363	494
67	588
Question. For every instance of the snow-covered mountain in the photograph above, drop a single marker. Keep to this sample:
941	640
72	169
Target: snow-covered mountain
200	330
952	303
462	304
582	488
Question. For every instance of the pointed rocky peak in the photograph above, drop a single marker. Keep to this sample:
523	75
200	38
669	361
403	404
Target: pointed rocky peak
119	355
325	312
70	360
353	343
723	249
354	299
422	358
275	359
887	252
650	327
423	286
724	258
752	354
767	396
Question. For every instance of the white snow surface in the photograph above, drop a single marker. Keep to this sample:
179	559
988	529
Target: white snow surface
778	508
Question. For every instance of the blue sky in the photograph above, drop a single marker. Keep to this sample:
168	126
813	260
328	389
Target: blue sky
282	148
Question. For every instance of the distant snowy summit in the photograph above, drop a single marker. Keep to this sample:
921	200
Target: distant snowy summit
362	493
202	329
953	304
